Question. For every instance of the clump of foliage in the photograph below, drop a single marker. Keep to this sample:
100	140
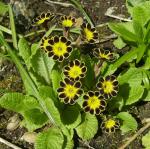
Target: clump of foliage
75	85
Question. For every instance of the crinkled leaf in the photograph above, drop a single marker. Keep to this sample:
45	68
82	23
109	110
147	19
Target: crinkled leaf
129	122
71	116
34	119
146	141
28	107
55	77
18	102
24	49
132	76
88	128
42	64
51	139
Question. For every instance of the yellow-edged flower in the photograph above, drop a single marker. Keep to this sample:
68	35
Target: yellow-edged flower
110	125
94	103
42	18
67	21
108	86
58	48
88	33
69	91
75	70
105	55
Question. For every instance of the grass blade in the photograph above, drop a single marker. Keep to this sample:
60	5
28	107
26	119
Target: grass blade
12	25
80	7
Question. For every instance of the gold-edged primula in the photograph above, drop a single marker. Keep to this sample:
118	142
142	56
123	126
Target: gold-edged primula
58	48
69	91
75	70
110	125
42	18
108	86
88	33
104	55
94	103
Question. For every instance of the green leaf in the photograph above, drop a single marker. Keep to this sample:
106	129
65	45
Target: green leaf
141	50
55	78
132	76
88	128
51	139
147	97
141	13
3	8
129	122
131	94
130	85
118	43
34	119
42	64
24	50
138	31
50	104
145	141
130	4
124	31
18	102
71	116
28	107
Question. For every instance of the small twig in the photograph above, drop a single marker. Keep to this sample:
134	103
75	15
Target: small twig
59	3
9	144
131	139
86	144
101	25
110	11
107	38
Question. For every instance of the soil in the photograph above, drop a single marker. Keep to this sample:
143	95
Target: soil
10	80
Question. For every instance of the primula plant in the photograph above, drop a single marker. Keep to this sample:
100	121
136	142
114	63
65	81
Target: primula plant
78	91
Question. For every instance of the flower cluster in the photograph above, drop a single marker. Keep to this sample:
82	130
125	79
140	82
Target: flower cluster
71	87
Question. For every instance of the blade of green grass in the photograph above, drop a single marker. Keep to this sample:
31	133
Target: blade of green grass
80	7
12	25
25	76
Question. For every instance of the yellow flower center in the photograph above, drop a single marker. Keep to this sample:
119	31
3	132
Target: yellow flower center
67	23
70	91
110	123
75	71
88	34
59	48
107	86
94	102
102	55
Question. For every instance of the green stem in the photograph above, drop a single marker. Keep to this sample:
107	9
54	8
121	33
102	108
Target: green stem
80	7
13	28
27	78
